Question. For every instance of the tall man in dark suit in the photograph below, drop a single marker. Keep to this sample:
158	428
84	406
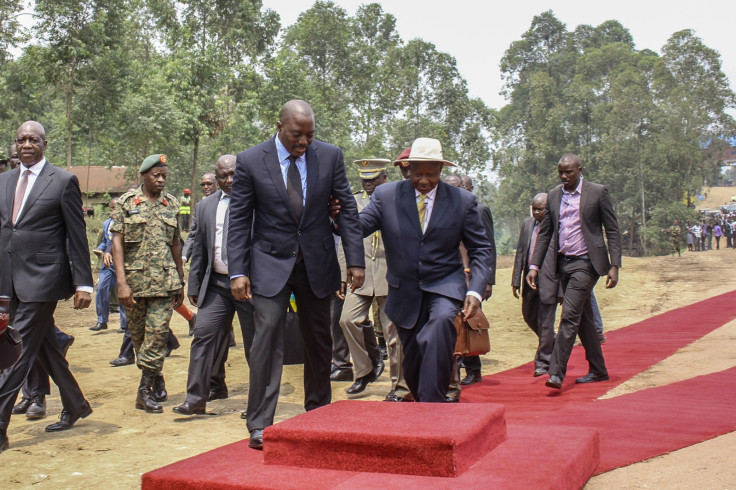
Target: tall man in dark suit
423	221
575	215
280	241
44	257
538	306
209	290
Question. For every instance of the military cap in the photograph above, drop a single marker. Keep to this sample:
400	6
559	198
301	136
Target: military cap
151	161
402	159
370	168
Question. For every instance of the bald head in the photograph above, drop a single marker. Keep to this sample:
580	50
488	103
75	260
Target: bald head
539	204
467	183
296	127
224	172
208	184
454	180
30	141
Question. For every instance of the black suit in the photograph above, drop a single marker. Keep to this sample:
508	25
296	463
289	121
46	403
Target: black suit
266	243
538	306
217	308
43	257
579	275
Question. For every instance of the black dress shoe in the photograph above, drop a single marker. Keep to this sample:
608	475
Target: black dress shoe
601	338
341	375
114	309
68	344
37	408
68	419
122	361
450	399
360	384
217	395
384	352
377	370
99	326
470	379
22	405
540	372
554	381
256	439
592	378
187	409
244	415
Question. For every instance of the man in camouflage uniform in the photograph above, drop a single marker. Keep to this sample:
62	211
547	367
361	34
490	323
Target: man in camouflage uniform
146	241
675	233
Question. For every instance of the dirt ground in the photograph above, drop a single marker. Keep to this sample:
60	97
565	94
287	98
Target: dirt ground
117	443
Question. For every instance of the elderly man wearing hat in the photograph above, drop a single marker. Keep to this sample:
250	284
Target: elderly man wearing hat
147	249
367	364
422	221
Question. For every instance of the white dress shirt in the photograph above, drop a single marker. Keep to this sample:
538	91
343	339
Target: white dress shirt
220	266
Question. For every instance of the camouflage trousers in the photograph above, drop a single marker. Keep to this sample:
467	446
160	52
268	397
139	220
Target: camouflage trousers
148	322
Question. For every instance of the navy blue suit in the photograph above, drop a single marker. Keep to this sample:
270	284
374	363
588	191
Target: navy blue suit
281	255
426	278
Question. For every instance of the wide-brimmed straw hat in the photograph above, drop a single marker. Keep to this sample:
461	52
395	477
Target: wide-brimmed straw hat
427	150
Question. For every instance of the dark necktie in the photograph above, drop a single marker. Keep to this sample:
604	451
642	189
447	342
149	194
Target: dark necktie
535	233
225	229
20	194
294	188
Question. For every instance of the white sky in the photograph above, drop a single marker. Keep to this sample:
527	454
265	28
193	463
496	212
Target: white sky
478	32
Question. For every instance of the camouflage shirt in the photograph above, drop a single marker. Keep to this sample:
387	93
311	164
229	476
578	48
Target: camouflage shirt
148	230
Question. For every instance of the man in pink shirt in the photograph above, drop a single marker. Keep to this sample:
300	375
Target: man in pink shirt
576	213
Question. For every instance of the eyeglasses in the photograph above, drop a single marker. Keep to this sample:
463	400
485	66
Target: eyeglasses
206	184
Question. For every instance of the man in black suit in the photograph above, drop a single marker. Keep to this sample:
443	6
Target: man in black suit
209	290
538	306
575	215
44	257
422	221
280	241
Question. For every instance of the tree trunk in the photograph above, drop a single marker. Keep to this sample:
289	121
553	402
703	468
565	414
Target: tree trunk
195	158
69	103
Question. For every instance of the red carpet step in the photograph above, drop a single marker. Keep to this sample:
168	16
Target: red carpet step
409	438
531	457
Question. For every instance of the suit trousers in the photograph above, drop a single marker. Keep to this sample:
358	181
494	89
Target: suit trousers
578	279
267	351
428	348
211	337
37	382
540	317
340	349
35	324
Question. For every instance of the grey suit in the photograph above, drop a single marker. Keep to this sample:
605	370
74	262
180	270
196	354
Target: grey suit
217	308
578	275
538	306
43	256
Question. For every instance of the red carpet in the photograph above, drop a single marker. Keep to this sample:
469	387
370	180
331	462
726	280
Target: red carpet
552	438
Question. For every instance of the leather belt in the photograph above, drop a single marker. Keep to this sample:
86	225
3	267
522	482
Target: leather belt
573	257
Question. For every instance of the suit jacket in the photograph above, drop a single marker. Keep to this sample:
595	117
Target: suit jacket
596	212
45	255
547	282
486	217
203	246
264	235
431	261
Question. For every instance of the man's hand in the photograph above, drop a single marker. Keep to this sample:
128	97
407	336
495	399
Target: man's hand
193	300
82	300
240	287
356	276
489	292
179	298
125	295
612	278
515	291
107	259
471	307
341	292
531	279
334	207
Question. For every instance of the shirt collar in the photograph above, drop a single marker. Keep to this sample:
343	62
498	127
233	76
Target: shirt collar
577	189
283	153
224	196
35	168
430	194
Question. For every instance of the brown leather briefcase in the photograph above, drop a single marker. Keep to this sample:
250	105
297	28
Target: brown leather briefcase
472	335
